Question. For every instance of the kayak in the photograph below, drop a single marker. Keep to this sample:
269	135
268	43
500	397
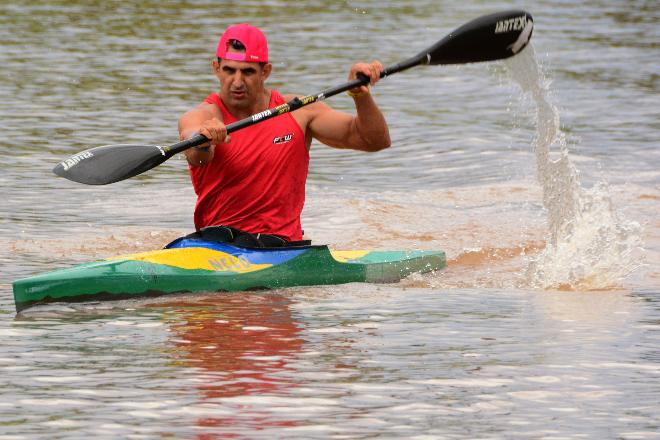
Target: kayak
200	265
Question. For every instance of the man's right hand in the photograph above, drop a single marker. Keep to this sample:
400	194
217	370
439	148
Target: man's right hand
206	120
215	130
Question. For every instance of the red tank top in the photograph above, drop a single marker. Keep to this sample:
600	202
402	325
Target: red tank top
256	182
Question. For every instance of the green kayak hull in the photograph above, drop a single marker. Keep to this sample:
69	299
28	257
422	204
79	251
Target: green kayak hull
201	266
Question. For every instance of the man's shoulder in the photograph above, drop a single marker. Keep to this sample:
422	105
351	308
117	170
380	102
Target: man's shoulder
212	98
203	110
211	104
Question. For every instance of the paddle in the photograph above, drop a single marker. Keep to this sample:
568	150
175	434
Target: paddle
491	37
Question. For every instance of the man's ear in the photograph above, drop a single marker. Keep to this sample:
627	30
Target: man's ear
215	65
267	70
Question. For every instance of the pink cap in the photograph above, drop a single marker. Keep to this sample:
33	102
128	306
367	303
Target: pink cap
256	47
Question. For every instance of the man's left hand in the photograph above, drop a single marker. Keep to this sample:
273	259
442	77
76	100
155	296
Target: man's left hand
371	70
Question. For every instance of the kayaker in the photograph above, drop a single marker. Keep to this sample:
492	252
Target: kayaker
254	180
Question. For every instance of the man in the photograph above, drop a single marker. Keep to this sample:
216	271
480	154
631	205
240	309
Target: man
254	180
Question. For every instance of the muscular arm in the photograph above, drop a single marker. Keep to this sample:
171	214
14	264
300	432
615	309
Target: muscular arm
366	131
193	122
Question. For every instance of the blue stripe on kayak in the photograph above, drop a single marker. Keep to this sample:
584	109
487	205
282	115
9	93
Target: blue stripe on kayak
254	256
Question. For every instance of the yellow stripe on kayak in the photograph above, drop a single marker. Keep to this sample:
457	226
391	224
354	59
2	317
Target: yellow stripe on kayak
196	258
345	256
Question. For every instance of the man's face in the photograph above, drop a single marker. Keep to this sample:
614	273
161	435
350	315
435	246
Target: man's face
241	82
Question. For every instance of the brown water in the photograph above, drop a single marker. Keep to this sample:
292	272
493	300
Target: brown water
544	325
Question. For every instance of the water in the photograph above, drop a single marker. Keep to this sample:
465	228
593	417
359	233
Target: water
590	245
540	183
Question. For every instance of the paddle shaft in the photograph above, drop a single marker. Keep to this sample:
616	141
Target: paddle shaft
491	37
482	39
295	104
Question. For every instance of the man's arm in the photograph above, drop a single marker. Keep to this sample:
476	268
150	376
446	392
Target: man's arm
366	131
205	119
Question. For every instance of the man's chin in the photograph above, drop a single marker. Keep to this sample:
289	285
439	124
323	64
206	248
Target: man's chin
239	102
239	97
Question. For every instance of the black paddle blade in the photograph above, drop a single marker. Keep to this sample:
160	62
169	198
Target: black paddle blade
488	38
111	163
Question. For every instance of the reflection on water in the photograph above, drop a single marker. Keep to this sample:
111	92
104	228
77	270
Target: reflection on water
238	345
315	363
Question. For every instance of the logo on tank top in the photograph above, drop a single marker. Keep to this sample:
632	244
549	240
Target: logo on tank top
283	139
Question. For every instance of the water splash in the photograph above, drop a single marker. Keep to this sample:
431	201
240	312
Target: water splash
590	245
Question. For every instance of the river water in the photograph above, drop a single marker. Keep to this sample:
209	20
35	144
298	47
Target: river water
539	177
